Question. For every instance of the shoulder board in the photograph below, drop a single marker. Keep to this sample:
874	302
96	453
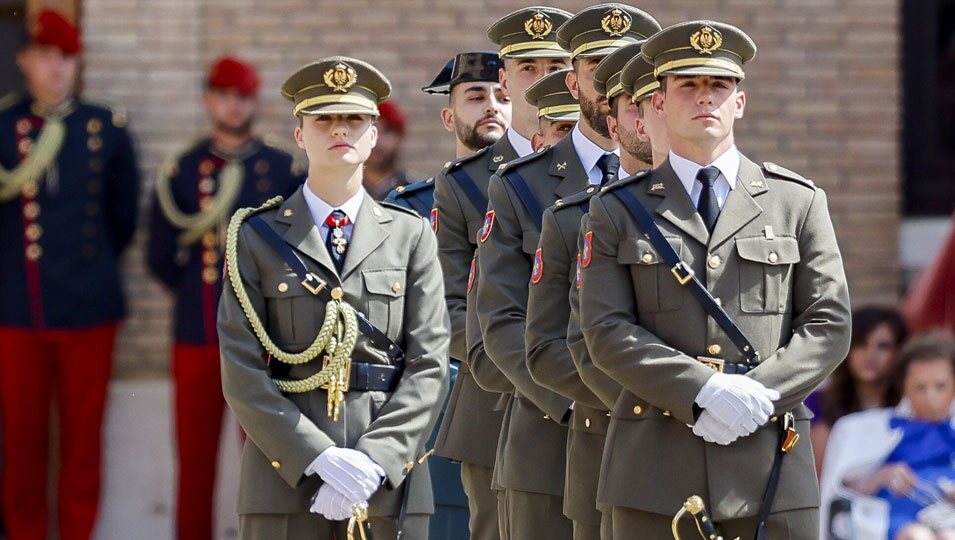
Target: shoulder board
576	199
626	181
455	163
10	100
522	160
401	191
120	118
786	174
392	206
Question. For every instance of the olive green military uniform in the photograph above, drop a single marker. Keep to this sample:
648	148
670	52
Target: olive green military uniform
390	273
773	262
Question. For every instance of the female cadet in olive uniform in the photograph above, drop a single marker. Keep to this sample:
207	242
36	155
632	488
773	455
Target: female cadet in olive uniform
303	276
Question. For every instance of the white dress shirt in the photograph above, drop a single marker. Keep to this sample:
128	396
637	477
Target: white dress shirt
686	170
520	144
589	154
320	210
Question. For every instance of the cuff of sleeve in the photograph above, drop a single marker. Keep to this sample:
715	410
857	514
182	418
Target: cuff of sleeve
293	466
394	468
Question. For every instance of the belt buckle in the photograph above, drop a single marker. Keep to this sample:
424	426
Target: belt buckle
681	267
313	284
716	364
789	423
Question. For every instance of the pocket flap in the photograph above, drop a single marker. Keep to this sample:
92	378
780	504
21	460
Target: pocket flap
282	286
390	282
530	241
642	252
780	250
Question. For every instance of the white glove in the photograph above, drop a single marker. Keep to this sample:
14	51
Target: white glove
712	430
351	472
741	403
330	503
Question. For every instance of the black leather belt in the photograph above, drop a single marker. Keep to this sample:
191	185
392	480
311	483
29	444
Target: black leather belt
723	366
374	377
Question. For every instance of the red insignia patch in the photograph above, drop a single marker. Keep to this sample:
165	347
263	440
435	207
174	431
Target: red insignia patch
587	253
434	220
471	275
488	223
579	274
538	271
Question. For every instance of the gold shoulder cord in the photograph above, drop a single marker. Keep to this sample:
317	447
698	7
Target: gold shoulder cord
336	338
195	225
43	153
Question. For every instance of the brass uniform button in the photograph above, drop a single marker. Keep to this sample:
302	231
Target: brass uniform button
276	465
337	293
94	125
205	203
24	146
587	422
209	239
210	275
647	258
34	252
33	232
206	167
714	262
283	287
714	349
261	166
30	190
31	210
206	185
210	257
396	287
638	410
23	126
94	144
263	185
773	257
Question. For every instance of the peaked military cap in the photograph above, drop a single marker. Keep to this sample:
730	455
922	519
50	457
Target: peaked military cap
529	32
601	29
553	100
637	78
607	73
442	81
700	48
476	67
336	85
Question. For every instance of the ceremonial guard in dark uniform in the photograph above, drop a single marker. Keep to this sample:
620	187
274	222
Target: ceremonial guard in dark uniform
334	334
533	463
713	291
68	204
197	190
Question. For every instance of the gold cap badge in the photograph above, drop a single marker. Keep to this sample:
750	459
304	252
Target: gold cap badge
616	23
341	77
538	26
706	40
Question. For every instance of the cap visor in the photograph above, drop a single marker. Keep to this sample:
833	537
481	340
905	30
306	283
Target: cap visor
338	108
539	53
701	71
563	117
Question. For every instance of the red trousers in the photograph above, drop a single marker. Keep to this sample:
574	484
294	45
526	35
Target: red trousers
199	409
35	365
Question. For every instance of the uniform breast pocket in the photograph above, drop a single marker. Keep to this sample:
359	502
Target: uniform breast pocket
292	311
655	286
765	273
386	298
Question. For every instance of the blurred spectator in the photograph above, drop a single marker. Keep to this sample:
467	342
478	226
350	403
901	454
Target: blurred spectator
896	463
383	171
864	381
930	302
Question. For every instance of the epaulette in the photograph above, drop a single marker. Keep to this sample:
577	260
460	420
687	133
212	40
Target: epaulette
170	166
576	199
118	112
393	206
786	174
522	160
401	191
455	163
299	160
625	181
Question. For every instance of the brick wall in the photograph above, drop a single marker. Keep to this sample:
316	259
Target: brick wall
823	97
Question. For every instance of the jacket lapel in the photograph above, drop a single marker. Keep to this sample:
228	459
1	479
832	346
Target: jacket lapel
676	206
367	235
740	207
302	233
565	164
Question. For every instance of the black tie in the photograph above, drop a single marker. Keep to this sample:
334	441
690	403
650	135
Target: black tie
608	164
708	207
337	241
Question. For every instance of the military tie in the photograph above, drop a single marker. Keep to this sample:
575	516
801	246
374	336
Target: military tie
609	165
337	241
708	206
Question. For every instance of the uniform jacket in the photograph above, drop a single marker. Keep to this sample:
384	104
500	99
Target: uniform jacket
418	197
773	262
62	239
186	272
391	274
